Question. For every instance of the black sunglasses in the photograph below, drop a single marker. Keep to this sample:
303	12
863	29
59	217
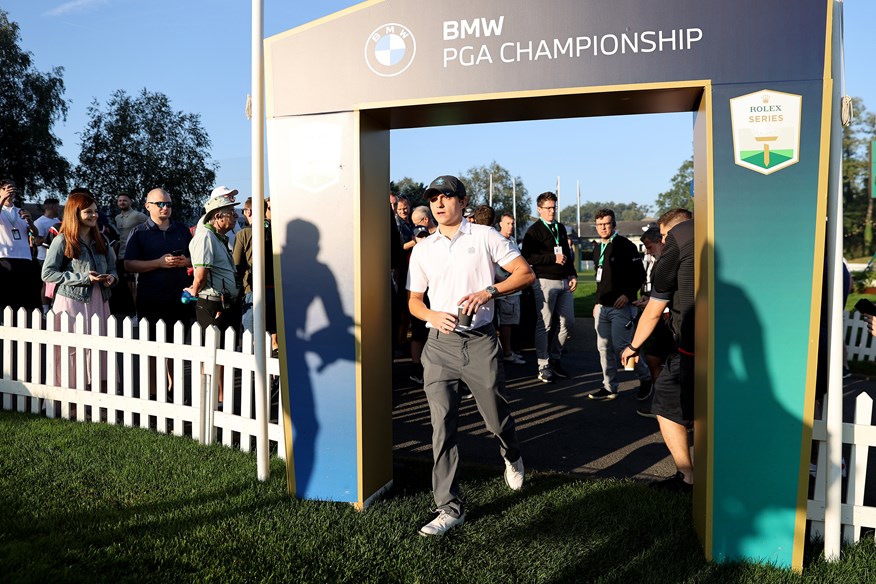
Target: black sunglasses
160	204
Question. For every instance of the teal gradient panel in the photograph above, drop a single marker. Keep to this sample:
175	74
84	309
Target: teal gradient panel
317	260
764	253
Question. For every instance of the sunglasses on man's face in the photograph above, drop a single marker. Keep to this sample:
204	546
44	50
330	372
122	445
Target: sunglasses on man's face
161	204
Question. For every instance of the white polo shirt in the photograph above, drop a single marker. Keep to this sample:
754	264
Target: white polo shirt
452	268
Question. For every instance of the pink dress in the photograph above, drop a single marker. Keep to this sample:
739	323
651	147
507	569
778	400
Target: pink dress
65	307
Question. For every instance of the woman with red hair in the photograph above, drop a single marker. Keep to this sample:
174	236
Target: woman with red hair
83	267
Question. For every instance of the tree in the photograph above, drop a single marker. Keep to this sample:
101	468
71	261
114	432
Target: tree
410	189
477	185
857	199
30	103
622	211
678	196
141	143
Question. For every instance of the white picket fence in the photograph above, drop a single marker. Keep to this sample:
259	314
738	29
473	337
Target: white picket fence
860	345
858	437
37	379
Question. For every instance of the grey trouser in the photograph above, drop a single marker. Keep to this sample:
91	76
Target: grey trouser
612	337
472	357
554	318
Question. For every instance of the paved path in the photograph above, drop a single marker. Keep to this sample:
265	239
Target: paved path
559	427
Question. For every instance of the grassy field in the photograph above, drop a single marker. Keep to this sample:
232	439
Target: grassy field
95	503
585	294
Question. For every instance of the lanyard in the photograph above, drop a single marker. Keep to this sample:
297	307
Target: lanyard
12	223
551	227
603	246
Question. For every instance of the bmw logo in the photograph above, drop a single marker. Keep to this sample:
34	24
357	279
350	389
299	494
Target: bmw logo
390	49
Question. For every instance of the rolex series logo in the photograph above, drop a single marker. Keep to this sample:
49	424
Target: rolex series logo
766	130
390	50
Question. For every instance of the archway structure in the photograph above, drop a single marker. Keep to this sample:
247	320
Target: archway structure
758	77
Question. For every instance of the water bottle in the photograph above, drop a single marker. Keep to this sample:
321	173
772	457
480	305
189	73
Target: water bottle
187	297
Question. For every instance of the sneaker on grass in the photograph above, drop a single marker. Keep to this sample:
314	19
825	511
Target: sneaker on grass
441	524
545	374
602	395
514	474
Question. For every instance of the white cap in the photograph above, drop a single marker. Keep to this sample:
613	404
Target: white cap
222	191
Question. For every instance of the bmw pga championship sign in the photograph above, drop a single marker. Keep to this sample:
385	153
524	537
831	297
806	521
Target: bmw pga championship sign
766	130
762	130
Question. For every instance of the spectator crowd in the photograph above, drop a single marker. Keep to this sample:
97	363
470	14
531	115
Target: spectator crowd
145	263
464	287
460	306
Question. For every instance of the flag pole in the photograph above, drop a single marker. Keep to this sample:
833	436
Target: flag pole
258	240
514	205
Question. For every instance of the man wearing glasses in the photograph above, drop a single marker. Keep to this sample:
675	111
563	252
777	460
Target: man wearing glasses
158	252
457	265
619	275
546	248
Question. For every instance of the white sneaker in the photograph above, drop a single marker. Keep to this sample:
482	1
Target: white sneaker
441	524
514	474
513	358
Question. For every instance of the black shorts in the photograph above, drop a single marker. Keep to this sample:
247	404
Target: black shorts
674	390
661	343
211	312
170	312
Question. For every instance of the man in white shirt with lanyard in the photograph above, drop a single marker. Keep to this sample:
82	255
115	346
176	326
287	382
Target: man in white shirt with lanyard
456	264
20	274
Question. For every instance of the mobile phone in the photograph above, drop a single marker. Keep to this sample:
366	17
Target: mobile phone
864	306
177	252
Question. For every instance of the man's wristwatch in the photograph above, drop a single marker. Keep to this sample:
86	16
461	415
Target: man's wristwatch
491	290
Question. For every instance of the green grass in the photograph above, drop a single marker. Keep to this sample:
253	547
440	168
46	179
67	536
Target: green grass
95	503
853	298
585	294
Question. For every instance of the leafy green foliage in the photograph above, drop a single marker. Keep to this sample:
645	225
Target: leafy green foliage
477	185
857	200
411	189
622	211
678	195
140	143
30	103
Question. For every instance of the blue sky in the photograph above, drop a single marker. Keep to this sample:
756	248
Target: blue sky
198	54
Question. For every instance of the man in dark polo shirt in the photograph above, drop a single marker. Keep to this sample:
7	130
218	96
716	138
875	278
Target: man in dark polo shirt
673	285
157	252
